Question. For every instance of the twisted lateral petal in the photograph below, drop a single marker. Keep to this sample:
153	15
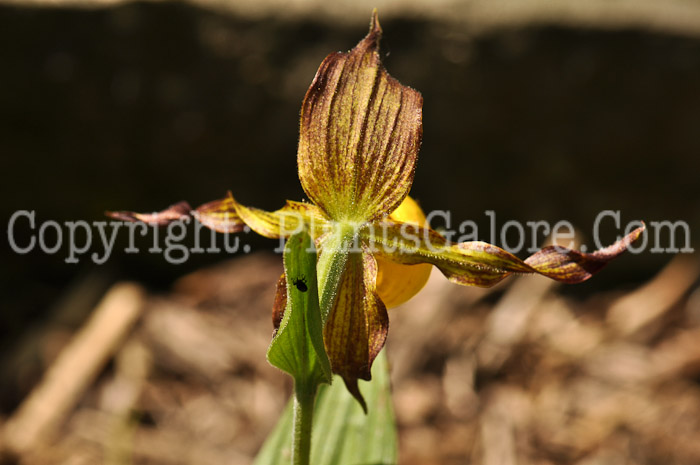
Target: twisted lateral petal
360	132
176	212
358	323
482	264
290	219
220	215
572	266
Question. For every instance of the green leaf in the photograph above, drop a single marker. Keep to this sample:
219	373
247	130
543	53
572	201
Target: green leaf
277	449
298	346
343	434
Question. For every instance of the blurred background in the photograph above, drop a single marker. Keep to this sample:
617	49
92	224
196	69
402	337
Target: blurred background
535	110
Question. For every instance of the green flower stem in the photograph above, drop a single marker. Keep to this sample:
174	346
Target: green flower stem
343	434
304	400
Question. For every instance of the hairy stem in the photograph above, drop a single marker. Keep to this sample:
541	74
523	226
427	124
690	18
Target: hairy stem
303	417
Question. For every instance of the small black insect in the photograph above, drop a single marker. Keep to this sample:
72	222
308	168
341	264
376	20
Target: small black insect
300	284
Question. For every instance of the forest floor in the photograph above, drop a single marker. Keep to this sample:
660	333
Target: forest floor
517	374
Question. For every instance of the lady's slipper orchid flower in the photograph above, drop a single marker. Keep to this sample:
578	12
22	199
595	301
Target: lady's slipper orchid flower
359	137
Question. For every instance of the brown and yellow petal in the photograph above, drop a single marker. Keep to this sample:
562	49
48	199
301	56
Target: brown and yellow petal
279	305
281	223
572	266
220	215
360	132
482	264
176	212
357	325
